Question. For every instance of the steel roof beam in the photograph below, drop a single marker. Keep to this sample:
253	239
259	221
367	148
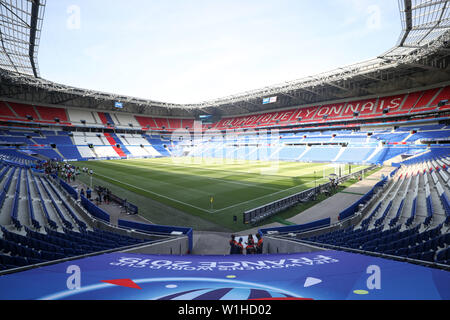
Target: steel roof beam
408	20
33	29
444	8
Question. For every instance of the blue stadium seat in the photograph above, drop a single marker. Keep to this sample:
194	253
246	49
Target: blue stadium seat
427	256
442	256
403	252
35	260
20	261
414	255
6	260
46	255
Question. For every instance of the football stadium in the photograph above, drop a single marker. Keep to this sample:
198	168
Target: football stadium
333	186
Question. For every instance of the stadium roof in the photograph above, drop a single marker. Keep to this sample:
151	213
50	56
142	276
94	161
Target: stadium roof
20	28
421	57
423	21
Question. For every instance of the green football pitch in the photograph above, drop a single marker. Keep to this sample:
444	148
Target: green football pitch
214	190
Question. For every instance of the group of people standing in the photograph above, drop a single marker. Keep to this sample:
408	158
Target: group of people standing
65	171
237	247
88	193
103	195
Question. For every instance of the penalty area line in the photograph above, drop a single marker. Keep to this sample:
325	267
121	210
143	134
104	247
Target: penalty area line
157	194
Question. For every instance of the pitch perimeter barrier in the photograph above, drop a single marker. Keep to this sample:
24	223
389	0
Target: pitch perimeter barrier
354	207
259	214
159	229
129	207
94	210
297	228
346	218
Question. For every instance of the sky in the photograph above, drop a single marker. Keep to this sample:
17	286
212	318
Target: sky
196	50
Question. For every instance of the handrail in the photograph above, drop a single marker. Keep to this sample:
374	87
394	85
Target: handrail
258	214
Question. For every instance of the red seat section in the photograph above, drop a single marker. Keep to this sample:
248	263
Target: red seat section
174	123
188	123
411	100
5	111
257	120
374	107
366	108
425	100
330	111
23	110
161	122
249	121
146	122
223	123
443	95
102	117
283	117
393	104
48	113
306	114
401	104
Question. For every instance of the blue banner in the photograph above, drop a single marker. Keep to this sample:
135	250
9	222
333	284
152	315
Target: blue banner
319	275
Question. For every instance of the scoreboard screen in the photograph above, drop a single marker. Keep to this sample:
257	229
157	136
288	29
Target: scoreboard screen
206	118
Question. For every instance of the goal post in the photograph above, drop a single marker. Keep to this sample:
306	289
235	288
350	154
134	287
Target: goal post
334	168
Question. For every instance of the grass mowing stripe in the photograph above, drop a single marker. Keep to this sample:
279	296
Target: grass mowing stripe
218	164
208	193
188	188
180	192
269	195
196	207
148	191
172	173
284	180
242	166
271	179
247	175
158	182
275	193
